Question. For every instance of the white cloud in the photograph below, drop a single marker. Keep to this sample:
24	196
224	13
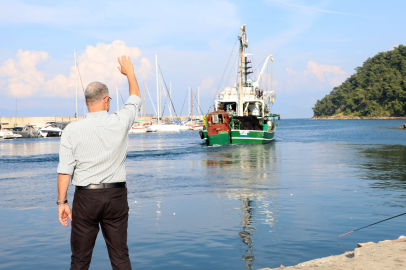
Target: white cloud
319	71
207	85
392	47
23	78
314	78
98	63
208	90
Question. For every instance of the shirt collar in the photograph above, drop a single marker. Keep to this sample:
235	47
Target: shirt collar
96	114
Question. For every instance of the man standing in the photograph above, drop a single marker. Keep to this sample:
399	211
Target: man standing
92	153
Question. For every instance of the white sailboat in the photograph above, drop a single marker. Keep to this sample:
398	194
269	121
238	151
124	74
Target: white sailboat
161	127
194	124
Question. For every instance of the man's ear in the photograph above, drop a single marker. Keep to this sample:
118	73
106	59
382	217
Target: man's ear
106	101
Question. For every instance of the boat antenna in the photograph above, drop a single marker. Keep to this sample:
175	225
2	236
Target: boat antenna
371	224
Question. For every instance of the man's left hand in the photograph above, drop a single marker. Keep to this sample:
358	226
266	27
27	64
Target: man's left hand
126	66
63	214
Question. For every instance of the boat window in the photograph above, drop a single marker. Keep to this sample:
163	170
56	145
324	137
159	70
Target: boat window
215	118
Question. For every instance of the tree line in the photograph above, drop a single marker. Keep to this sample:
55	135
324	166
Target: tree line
377	89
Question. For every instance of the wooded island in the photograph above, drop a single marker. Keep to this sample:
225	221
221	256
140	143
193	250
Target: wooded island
377	89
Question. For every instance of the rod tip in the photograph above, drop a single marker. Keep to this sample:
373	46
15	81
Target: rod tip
345	233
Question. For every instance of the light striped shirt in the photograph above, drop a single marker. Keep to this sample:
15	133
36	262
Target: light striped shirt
94	149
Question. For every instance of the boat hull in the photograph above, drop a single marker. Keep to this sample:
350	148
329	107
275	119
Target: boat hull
251	137
163	128
239	137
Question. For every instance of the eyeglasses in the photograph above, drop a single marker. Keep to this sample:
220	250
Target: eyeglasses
108	97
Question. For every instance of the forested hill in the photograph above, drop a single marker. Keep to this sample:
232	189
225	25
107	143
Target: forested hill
377	89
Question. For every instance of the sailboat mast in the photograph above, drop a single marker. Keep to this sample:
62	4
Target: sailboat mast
144	104
170	100
76	84
198	101
157	86
118	108
191	102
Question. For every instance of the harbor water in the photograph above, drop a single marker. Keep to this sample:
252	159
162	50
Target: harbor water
226	207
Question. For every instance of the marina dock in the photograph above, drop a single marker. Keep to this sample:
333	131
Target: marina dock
41	121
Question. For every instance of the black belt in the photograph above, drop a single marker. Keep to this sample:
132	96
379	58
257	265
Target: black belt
103	185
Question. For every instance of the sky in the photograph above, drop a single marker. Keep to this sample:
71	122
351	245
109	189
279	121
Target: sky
316	45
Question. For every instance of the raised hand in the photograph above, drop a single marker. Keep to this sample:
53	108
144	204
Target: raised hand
126	66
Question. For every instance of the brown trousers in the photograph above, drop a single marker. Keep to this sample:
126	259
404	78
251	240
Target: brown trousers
109	208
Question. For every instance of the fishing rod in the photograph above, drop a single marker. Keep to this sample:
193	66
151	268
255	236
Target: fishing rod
372	224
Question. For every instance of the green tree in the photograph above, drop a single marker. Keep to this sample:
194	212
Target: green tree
378	88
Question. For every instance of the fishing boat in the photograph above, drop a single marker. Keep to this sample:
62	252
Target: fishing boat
241	113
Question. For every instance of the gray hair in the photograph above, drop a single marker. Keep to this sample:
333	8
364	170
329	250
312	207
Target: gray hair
96	91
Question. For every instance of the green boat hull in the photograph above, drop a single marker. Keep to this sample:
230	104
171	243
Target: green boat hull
251	136
240	137
218	139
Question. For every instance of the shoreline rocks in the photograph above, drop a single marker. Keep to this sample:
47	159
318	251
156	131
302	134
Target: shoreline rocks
402	126
388	254
341	117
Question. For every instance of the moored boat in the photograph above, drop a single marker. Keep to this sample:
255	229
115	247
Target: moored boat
137	129
163	128
52	130
7	133
242	114
26	131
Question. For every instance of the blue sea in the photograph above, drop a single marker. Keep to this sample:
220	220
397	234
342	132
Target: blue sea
225	207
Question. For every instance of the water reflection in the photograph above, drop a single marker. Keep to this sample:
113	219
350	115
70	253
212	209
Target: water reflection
248	230
385	164
247	174
20	147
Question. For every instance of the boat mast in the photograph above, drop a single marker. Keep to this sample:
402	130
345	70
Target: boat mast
145	104
157	86
170	100
76	83
191	102
118	108
271	72
243	43
198	101
240	105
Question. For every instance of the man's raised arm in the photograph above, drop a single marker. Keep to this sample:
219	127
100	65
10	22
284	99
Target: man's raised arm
126	68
